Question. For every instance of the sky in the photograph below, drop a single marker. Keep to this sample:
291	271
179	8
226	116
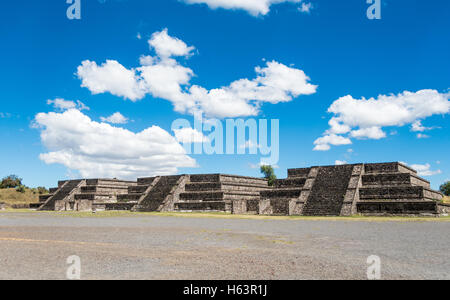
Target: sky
97	96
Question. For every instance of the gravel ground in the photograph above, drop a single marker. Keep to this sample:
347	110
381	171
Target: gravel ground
36	246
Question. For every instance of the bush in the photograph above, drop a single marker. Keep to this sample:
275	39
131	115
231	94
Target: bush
269	174
42	190
445	188
21	189
11	182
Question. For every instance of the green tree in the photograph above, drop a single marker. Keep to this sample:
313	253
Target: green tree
11	182
445	188
269	174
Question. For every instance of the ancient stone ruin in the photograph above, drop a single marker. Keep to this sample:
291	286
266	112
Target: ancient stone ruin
368	189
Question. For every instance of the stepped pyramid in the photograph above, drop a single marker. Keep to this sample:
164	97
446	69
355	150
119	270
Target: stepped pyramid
370	189
220	192
84	194
383	188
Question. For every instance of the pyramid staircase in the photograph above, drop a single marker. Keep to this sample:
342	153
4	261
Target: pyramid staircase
155	194
219	193
64	192
328	192
285	197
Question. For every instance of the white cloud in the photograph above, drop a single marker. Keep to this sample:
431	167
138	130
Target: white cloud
425	170
323	143
365	118
163	77
340	162
253	7
116	118
101	150
306	7
111	77
189	135
374	133
62	104
166	46
422	136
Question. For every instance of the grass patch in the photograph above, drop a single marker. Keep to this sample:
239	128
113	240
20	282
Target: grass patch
11	196
447	199
118	214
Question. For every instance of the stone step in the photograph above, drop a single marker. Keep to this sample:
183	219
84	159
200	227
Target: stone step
281	193
129	197
290	183
395	192
225	186
393	179
43	198
146	181
224	178
211	196
109	182
203	206
124	206
52	190
397	208
394	167
299	173
104	189
243	180
95	197
138	189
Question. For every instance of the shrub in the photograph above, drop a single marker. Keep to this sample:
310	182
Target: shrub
42	190
11	182
269	174
21	189
445	188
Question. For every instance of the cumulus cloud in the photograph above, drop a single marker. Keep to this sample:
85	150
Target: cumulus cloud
374	133
111	77
253	7
101	150
323	143
61	104
116	118
189	135
340	162
166	46
365	118
424	170
162	76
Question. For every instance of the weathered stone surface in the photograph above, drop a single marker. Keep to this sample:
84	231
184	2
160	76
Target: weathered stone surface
381	188
204	192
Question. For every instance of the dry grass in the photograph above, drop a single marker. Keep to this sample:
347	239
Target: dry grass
447	199
11	196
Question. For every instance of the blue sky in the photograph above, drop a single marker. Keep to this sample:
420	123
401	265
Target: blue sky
404	57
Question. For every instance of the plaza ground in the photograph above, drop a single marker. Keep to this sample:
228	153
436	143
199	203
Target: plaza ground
124	245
